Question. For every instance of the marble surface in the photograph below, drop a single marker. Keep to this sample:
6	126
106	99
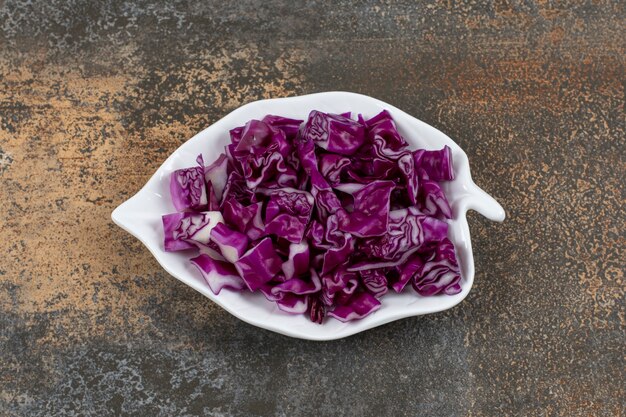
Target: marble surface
95	95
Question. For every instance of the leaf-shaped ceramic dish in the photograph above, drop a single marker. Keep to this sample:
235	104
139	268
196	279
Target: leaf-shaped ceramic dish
141	215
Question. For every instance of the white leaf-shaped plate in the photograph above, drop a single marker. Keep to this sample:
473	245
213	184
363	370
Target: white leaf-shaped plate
141	215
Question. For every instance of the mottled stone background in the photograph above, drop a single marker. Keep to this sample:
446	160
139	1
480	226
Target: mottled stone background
95	95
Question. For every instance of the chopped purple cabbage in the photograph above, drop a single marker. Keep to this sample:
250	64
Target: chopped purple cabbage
218	274
188	230
334	133
436	164
231	243
188	188
259	264
370	209
358	306
440	272
375	281
321	216
298	260
434	202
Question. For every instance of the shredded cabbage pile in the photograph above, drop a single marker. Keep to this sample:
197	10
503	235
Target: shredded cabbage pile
322	217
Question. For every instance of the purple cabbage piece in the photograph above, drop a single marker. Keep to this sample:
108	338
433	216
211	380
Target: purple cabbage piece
339	245
336	256
290	127
378	263
293	304
386	141
213	203
266	290
231	243
259	264
171	223
367	166
334	133
375	281
382	125
371	210
293	161
360	305
305	150
317	310
235	134
261	168
297	263
216	176
244	219
408	229
315	235
188	230
287	213
437	164
256	229
331	165
228	151
257	138
261	151
434	201
408	271
334	237
212	250
299	286
217	274
238	216
406	164
339	285
287	177
440	273
286	226
237	189
188	189
326	202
